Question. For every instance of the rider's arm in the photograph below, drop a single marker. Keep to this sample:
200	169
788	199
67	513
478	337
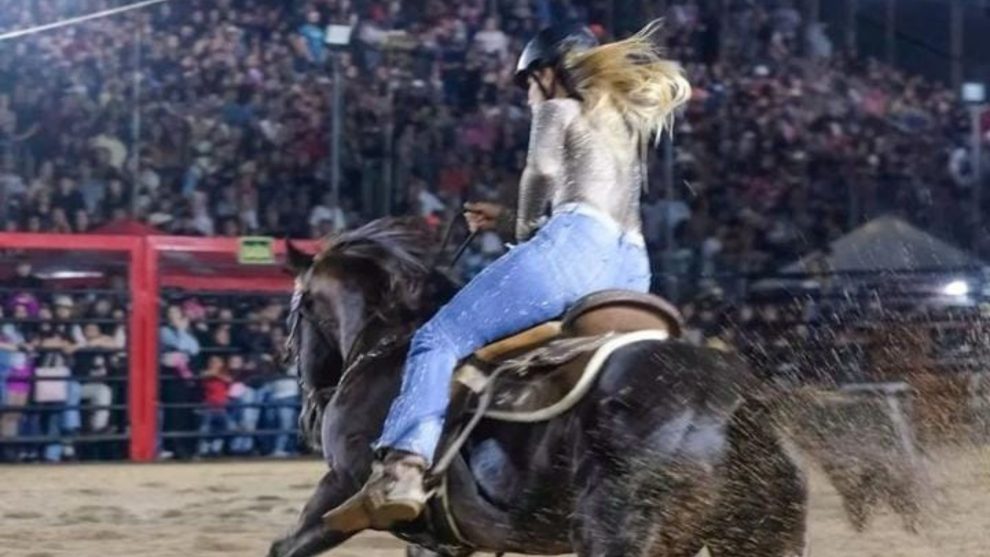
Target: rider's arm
544	163
505	225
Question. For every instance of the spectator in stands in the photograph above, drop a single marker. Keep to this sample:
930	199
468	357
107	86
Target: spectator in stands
67	197
10	344
311	44
55	400
327	217
492	40
97	394
56	347
245	404
94	349
281	395
24	277
177	379
16	376
222	340
215	420
111	329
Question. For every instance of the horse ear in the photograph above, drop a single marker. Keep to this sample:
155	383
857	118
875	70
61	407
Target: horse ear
299	261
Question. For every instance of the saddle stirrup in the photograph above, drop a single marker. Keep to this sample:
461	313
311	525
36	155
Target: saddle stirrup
470	380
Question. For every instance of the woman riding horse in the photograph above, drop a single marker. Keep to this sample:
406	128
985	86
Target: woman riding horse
595	110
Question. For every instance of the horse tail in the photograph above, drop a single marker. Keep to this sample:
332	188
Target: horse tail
863	444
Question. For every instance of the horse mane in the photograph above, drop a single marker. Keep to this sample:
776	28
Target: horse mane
400	248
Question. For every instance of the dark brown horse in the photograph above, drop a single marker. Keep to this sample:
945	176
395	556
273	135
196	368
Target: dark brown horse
674	448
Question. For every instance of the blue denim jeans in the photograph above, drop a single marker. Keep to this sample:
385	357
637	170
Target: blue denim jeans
4	372
45	419
285	418
578	252
246	414
72	417
214	422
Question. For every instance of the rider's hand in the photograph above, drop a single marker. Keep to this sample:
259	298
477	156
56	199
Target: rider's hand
482	216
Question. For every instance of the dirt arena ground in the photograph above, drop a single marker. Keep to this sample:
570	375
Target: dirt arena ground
231	508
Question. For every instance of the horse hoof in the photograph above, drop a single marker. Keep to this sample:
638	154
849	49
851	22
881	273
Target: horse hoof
276	549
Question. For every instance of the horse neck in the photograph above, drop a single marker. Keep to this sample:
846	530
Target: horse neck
372	380
369	380
381	346
378	339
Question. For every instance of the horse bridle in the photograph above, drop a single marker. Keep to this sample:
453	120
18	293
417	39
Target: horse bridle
354	357
297	314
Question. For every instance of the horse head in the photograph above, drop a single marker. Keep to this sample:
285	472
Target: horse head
362	283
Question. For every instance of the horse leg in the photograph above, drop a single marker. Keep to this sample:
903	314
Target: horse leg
657	511
416	551
763	501
310	536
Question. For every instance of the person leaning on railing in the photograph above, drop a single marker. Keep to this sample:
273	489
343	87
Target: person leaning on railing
215	419
178	346
15	377
95	348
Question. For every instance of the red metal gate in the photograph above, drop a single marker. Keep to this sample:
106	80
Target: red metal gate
155	262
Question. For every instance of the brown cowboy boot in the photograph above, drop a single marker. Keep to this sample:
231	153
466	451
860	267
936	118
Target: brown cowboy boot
394	493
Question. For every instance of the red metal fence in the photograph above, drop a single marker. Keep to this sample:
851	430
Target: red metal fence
152	263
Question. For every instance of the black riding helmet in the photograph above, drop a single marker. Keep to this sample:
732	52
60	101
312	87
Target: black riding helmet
549	46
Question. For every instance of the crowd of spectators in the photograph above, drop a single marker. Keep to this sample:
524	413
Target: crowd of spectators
64	374
62	368
224	388
780	154
788	141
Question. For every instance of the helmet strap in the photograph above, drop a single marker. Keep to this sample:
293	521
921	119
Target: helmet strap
543	89
560	79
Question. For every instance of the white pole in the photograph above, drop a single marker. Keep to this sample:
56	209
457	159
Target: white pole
136	123
74	20
388	167
890	32
852	22
335	130
956	44
975	112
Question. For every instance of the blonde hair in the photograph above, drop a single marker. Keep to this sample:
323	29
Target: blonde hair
633	78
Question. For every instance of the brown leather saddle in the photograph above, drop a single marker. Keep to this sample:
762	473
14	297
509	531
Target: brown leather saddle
538	367
541	372
608	311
